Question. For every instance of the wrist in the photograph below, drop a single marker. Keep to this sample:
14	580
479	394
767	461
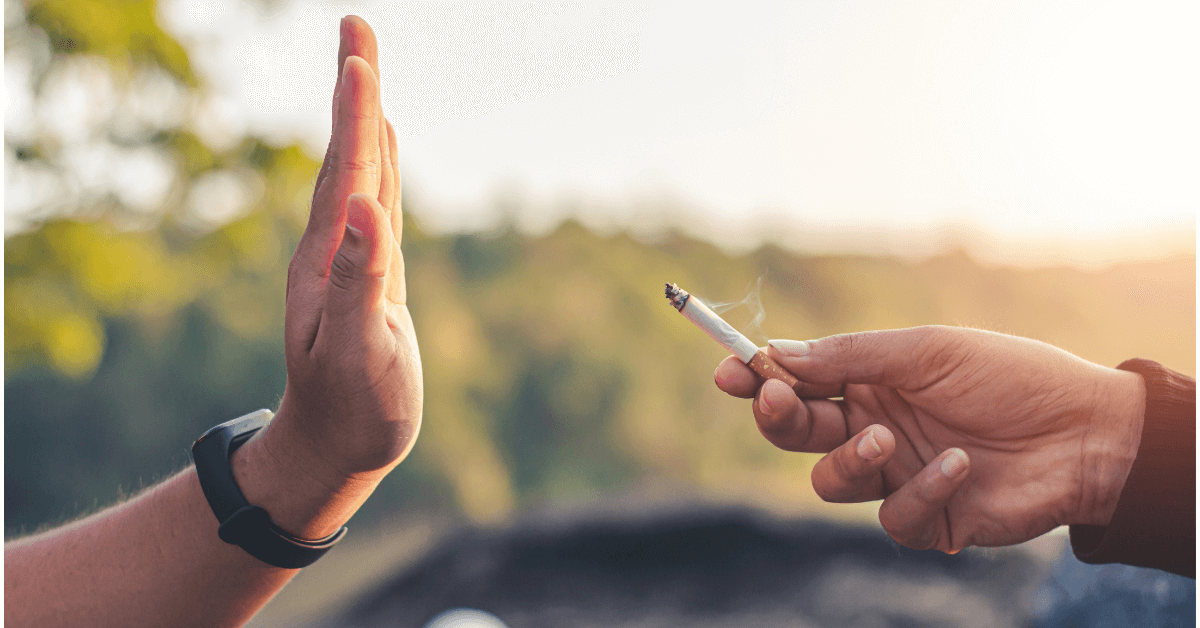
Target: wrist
281	474
1110	443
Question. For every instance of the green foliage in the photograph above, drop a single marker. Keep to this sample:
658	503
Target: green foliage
123	31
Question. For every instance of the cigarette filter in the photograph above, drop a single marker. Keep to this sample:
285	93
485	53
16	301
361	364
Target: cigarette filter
727	336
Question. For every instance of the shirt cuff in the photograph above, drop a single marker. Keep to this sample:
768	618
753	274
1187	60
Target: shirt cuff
1154	524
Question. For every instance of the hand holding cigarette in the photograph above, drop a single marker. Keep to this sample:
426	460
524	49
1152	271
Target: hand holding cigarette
969	437
727	336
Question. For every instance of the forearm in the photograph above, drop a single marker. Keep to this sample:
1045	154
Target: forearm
156	560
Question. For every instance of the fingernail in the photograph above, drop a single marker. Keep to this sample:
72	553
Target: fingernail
356	209
793	348
954	463
717	377
868	447
763	406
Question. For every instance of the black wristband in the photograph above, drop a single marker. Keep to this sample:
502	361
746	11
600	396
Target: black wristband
249	527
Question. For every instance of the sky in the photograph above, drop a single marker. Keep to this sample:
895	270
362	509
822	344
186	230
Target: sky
1030	133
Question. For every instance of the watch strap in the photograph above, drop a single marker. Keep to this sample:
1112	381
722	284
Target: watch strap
247	526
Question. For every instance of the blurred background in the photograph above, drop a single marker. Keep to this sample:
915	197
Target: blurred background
1025	167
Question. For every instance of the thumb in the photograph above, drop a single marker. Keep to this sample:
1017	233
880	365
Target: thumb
907	359
357	274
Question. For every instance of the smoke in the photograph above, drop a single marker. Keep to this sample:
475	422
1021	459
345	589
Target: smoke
754	312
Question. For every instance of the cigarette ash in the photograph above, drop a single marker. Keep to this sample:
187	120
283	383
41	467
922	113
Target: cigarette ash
677	296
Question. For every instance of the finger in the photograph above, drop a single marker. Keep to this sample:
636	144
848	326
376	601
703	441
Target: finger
907	359
394	154
915	514
355	161
394	283
735	378
356	40
851	473
387	177
396	289
353	166
815	426
805	390
355	291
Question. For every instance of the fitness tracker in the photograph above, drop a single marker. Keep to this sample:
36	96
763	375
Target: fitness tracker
249	527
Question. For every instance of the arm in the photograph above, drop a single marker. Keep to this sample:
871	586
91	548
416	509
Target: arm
156	559
350	413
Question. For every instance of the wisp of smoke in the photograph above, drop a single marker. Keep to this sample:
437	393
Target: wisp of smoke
753	304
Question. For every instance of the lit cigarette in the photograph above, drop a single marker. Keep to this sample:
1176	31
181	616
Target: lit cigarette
727	336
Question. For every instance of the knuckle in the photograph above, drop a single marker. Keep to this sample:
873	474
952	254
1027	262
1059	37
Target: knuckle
844	461
344	271
357	164
937	350
842	343
931	486
926	489
364	114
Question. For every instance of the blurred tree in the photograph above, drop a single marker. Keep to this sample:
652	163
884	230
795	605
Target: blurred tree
125	33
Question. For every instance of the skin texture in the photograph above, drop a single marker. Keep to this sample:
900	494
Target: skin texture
350	413
969	437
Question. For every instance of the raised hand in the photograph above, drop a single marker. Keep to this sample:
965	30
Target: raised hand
969	437
352	407
350	413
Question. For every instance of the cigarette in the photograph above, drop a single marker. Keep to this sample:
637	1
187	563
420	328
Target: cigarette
727	336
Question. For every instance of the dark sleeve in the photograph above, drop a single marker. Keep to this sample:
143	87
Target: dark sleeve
1154	524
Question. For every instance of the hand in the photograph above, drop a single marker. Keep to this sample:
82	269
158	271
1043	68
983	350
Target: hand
969	437
352	407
